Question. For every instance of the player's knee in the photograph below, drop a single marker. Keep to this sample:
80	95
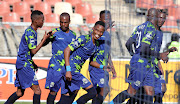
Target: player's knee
19	93
164	87
37	91
92	92
53	92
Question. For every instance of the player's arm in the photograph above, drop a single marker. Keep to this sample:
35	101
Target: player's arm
71	47
130	44
112	67
50	39
33	48
160	67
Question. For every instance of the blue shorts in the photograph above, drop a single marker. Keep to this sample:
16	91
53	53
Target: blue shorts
77	81
25	78
140	75
97	76
158	84
54	78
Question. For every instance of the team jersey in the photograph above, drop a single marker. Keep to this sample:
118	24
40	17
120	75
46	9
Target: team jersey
103	51
156	46
144	33
28	41
82	48
60	41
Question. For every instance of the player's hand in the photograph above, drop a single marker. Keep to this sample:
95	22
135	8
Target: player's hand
110	24
46	36
164	56
107	68
172	49
114	75
68	76
51	33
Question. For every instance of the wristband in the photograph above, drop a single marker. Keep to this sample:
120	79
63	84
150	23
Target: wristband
101	66
68	68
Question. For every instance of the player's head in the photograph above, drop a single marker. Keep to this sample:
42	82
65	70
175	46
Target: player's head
37	18
98	29
175	37
152	15
64	22
105	16
161	18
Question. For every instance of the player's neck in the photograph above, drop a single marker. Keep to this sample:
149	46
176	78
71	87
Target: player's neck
34	27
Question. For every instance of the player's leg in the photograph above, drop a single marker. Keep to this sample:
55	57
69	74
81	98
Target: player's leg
120	98
67	98
51	97
37	94
16	95
99	97
91	93
148	97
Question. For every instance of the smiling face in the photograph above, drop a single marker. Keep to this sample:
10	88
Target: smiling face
98	31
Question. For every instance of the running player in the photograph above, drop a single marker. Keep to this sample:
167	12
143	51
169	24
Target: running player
25	75
140	75
60	39
82	48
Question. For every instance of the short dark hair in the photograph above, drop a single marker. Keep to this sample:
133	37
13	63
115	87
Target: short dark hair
174	37
65	14
35	13
100	23
104	11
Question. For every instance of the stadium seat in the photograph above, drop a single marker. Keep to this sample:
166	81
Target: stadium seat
165	2
11	17
52	2
32	2
84	9
4	7
26	17
21	8
92	18
144	4
61	7
52	18
74	2
11	2
172	10
76	19
43	7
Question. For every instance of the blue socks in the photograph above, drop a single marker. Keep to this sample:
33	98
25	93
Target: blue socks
120	98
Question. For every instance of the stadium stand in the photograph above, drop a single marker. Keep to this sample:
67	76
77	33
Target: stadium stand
61	7
52	2
76	19
52	18
73	2
26	17
141	6
44	7
92	18
21	8
11	2
170	23
4	7
11	17
84	9
32	2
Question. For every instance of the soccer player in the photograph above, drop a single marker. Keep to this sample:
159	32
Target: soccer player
25	75
82	48
140	75
60	39
100	58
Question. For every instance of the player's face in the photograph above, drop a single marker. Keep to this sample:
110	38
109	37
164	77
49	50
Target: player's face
98	31
40	21
161	19
64	23
106	17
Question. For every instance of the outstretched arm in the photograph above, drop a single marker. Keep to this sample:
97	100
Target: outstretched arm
67	51
130	44
112	67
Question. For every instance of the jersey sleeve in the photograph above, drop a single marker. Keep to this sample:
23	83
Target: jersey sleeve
134	34
31	40
149	34
77	43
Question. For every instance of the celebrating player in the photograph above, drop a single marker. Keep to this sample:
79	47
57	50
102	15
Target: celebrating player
60	39
25	75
